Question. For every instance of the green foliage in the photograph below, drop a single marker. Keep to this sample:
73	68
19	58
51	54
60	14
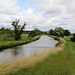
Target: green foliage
2	29
51	32
24	37
18	29
34	32
24	40
6	37
59	31
73	38
67	33
56	38
7	31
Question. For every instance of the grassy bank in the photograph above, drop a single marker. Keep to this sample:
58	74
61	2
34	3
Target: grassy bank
24	40
30	65
60	61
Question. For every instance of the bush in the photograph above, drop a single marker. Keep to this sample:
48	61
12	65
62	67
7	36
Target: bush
34	32
56	38
73	38
6	37
67	33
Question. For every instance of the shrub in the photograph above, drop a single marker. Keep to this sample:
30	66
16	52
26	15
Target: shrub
73	38
67	33
51	32
6	37
34	32
56	38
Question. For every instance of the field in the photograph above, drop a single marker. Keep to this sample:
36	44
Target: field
62	63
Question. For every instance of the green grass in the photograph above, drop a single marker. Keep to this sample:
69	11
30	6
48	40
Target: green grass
24	40
62	63
24	37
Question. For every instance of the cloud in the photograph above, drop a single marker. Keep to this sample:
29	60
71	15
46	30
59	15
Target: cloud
47	14
8	7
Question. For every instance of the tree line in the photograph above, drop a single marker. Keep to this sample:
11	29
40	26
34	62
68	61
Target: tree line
10	35
60	32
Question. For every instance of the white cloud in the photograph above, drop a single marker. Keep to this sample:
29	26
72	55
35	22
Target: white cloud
8	7
48	13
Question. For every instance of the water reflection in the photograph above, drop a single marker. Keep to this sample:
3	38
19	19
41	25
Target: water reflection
43	43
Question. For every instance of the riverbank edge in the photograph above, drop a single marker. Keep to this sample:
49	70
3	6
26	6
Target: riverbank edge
9	44
27	62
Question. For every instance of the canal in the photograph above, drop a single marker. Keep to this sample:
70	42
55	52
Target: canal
29	49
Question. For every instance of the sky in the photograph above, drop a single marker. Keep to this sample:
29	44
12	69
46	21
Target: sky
41	14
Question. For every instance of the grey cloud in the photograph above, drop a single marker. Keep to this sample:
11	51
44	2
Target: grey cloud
48	14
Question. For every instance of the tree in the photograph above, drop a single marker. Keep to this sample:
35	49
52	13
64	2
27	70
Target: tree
18	29
51	31
32	34
59	31
2	29
67	33
35	32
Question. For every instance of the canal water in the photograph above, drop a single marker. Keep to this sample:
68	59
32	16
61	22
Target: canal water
29	49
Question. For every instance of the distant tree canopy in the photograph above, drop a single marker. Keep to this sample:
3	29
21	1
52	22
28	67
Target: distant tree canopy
2	29
51	32
59	31
67	33
18	29
34	32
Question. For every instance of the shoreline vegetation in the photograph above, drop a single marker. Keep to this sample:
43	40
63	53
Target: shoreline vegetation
25	63
57	61
10	44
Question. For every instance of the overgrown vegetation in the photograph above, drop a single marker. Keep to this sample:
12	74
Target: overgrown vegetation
62	63
67	33
35	32
6	35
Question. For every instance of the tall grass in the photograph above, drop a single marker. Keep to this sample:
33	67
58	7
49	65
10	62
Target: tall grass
59	63
34	65
62	63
